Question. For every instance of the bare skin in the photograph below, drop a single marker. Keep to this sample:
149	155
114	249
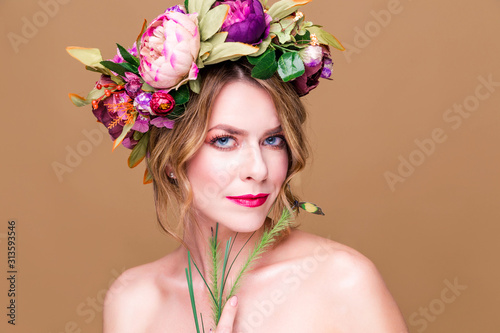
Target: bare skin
305	284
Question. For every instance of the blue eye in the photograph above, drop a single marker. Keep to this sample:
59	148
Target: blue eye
223	142
276	141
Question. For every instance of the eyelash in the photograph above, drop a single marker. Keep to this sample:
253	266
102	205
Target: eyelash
218	137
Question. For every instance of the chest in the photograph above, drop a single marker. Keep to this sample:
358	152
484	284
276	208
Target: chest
285	301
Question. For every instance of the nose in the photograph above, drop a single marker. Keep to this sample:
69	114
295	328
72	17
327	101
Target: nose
253	165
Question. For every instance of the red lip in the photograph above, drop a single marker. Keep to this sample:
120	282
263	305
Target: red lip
250	200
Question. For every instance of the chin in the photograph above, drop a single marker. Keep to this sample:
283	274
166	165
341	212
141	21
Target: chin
243	224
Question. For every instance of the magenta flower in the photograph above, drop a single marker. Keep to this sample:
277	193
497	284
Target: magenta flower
161	103
133	85
141	123
141	103
169	49
246	21
314	70
163	122
115	112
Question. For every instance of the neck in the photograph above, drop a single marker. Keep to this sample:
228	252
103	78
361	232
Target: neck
198	242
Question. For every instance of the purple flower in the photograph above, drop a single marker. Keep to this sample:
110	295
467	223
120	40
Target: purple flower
141	103
128	141
310	79
177	8
163	122
246	21
133	85
115	112
141	123
161	103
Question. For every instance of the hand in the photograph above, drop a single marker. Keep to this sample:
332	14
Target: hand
227	317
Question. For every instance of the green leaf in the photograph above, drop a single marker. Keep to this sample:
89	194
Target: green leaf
137	135
253	60
199	6
117	68
218	38
325	37
125	130
96	94
266	66
176	112
181	95
130	67
78	100
205	49
88	57
212	21
290	66
147	87
194	85
284	8
139	151
186	5
305	39
118	80
287	25
263	46
205	7
127	56
227	51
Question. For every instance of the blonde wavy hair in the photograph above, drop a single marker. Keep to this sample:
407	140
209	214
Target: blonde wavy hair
173	148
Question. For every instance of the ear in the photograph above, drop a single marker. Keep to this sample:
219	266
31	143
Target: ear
170	172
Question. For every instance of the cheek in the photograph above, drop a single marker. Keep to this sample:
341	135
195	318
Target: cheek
208	173
280	168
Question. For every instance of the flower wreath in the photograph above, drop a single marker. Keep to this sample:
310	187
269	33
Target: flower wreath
149	84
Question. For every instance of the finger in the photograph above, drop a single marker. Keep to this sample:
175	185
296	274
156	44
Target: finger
227	317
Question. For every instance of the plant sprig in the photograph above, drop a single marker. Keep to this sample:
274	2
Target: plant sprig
216	292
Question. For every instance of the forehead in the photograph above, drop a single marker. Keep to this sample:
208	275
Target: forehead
244	105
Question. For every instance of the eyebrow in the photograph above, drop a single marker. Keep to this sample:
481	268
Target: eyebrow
236	131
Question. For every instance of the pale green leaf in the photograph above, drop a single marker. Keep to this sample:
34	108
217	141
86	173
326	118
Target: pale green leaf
194	85
126	129
227	51
88	57
139	151
96	94
147	87
78	100
284	8
218	38
286	26
212	21
205	7
205	49
325	37
263	46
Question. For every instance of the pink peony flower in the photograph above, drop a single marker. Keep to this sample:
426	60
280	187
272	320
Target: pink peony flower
169	50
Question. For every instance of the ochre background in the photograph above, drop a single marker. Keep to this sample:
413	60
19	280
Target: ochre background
393	86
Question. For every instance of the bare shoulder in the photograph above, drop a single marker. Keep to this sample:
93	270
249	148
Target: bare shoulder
132	296
351	282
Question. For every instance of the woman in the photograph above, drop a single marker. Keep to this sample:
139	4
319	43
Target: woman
253	145
210	98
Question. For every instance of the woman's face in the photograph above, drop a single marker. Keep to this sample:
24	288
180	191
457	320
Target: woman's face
237	173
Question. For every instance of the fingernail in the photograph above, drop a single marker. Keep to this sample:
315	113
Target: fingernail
234	300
